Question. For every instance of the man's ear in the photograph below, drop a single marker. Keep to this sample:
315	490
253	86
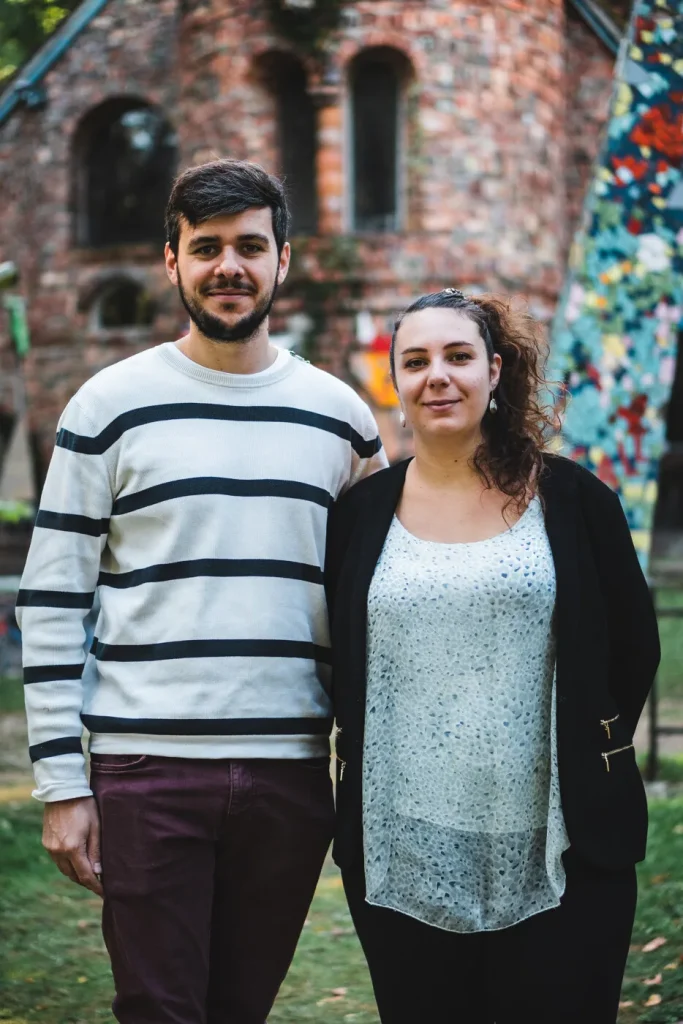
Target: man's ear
285	257
171	261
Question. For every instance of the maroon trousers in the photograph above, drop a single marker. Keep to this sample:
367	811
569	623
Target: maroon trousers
208	868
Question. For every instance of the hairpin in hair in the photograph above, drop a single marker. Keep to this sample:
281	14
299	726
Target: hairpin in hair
455	292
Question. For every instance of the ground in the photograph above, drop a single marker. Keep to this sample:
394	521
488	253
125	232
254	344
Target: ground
54	968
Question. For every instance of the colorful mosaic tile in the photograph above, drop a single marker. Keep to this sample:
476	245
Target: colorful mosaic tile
614	336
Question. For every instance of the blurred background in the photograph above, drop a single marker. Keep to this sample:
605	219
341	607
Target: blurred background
527	147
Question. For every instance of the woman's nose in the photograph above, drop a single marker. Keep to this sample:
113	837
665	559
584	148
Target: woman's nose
438	375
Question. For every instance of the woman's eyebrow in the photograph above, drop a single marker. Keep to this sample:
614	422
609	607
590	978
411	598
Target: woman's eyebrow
449	344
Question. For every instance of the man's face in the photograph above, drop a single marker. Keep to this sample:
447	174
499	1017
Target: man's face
227	272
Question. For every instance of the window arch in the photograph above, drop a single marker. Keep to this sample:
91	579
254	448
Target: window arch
284	77
121	303
377	80
126	157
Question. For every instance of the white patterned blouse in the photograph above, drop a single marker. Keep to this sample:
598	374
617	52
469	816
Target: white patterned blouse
462	819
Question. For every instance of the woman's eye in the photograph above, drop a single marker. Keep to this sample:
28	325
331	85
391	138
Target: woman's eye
414	364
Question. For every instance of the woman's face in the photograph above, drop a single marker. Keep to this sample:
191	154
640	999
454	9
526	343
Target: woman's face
443	376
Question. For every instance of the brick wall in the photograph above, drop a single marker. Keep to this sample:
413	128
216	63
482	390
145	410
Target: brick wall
495	161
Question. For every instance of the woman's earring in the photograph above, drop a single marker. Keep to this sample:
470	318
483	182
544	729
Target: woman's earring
402	418
493	405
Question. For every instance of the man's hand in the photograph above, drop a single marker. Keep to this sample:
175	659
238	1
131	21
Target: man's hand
71	835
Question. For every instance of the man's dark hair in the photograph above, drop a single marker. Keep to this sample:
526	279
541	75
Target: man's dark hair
225	187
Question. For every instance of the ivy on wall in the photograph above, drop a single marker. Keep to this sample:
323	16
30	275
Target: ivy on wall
307	28
323	272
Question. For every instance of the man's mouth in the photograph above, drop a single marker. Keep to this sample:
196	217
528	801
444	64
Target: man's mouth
229	292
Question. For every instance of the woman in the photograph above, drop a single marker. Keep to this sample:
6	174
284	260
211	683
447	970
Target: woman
493	644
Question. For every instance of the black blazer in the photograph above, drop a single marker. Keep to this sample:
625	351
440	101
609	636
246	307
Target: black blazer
607	654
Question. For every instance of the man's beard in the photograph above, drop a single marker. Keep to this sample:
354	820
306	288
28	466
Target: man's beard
215	329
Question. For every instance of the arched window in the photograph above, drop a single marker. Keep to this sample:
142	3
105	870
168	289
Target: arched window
377	82
126	158
284	77
122	304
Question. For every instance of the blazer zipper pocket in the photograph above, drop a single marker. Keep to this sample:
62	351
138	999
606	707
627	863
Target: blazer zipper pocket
608	753
605	723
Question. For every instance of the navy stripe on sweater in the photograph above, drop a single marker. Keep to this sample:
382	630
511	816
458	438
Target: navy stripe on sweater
54	599
216	567
211	649
53	748
70	523
99	444
209	726
52	673
221	485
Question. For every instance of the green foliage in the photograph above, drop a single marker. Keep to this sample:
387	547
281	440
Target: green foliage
306	27
24	26
323	273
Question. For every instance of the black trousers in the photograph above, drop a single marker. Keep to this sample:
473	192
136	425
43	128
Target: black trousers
563	966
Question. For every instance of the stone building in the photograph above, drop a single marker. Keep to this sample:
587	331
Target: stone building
425	143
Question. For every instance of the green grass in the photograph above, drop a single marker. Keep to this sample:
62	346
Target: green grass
54	969
670	679
11	695
660	915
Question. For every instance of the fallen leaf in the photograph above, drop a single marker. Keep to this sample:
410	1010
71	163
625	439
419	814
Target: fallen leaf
626	1003
658	879
654	1000
339	991
671	967
677	830
82	979
330	999
657	980
654	944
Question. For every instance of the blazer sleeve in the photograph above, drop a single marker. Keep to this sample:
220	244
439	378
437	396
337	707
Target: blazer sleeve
632	621
339	528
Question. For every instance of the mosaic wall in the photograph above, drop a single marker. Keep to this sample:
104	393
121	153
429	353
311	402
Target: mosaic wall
614	336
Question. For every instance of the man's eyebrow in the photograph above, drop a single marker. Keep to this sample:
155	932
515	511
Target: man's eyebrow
254	237
215	239
203	240
450	344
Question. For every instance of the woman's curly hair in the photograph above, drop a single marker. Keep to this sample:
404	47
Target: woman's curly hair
510	457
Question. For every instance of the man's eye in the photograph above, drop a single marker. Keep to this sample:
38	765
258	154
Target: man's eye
252	249
205	250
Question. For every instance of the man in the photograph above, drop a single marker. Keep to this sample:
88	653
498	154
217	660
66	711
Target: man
190	487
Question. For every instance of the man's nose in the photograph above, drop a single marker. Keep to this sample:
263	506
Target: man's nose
230	265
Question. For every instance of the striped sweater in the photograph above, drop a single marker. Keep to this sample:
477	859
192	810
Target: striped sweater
194	504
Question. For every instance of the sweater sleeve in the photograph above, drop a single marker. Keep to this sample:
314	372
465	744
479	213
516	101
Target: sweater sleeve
368	453
57	591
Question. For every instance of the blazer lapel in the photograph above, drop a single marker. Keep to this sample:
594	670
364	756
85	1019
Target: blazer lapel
371	533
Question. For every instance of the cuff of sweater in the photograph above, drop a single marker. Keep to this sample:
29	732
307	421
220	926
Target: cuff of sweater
49	794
